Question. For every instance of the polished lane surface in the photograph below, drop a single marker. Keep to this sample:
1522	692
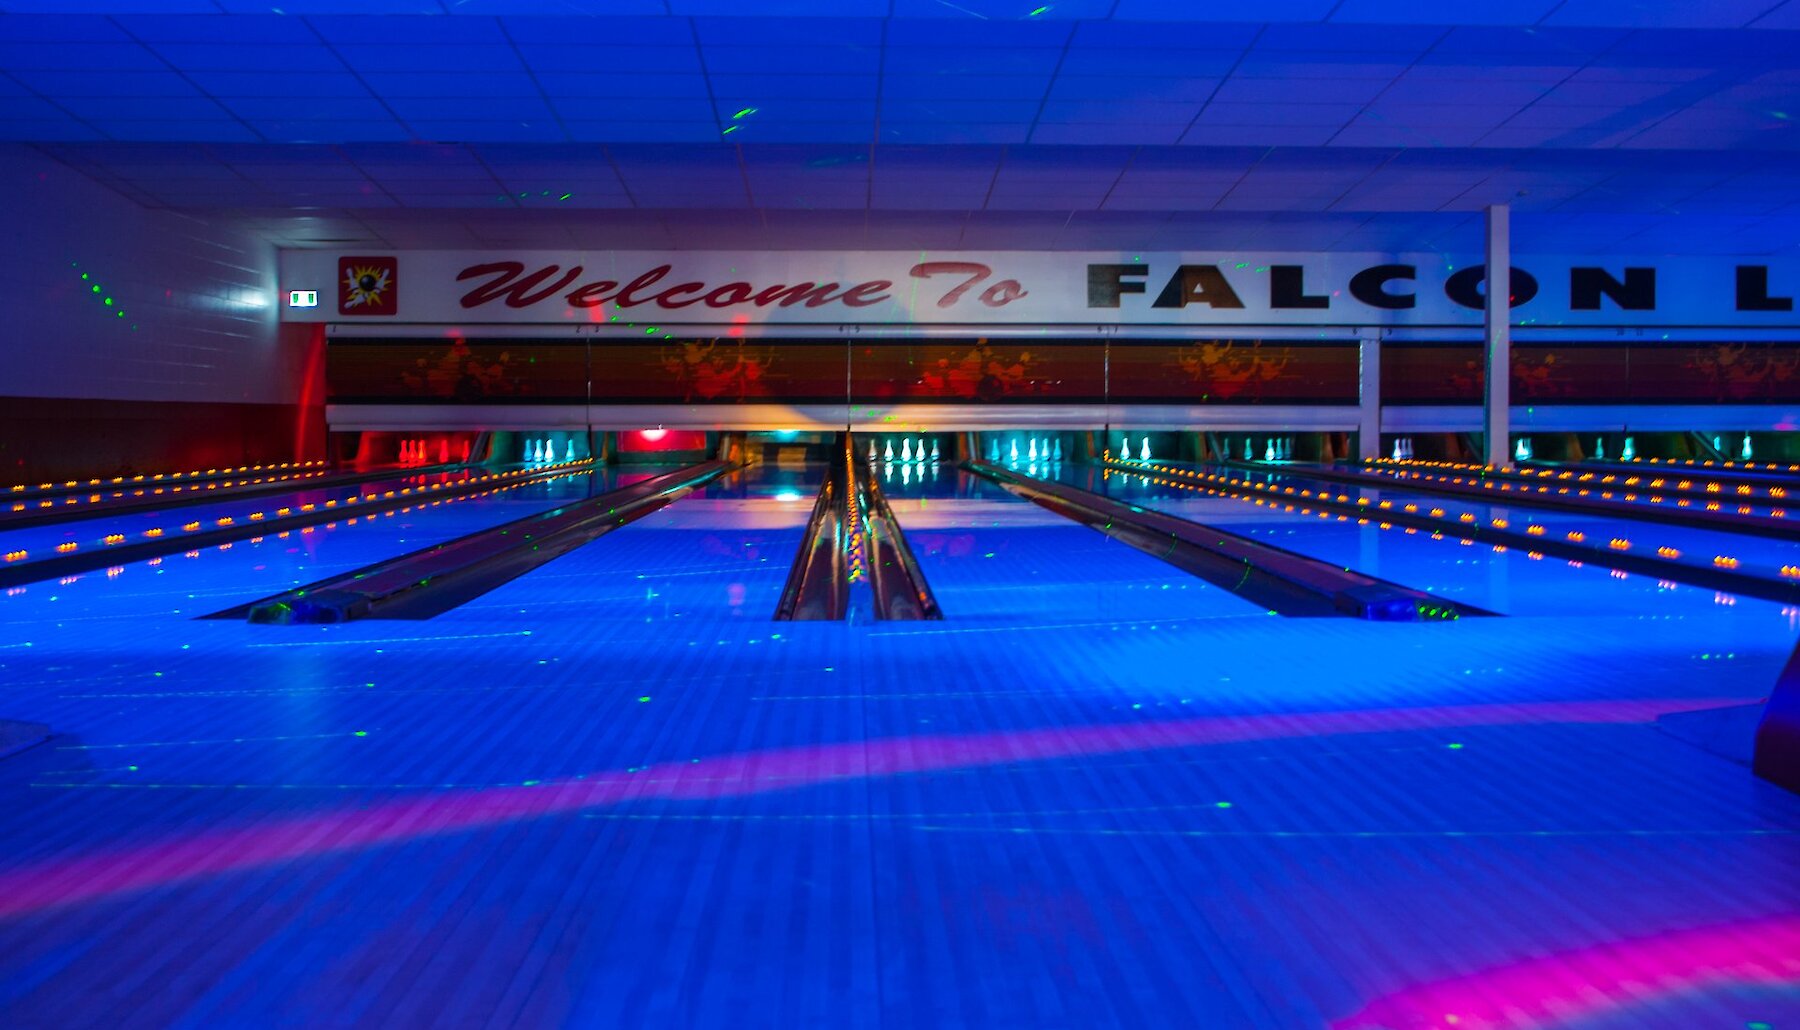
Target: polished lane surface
614	792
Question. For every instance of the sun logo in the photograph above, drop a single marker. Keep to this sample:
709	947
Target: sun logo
369	286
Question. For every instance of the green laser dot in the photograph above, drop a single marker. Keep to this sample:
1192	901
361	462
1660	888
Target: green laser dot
362	733
96	288
131	768
84	276
1454	747
1221	804
109	302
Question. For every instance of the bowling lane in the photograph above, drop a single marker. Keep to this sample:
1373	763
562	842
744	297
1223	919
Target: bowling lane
1509	582
995	559
718	555
209	579
90	531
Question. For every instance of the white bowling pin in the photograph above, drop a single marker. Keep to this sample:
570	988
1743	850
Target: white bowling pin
934	452
994	450
1031	451
888	455
1269	450
1599	448
569	454
871	452
1745	453
1249	455
919	455
1013	454
1396	448
1144	450
1630	451
1521	450
906	449
1056	449
1124	448
537	455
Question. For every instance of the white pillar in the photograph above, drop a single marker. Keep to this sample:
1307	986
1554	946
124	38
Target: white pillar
1368	418
1496	422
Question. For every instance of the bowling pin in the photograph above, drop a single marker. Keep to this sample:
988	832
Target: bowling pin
1056	450
1269	450
569	453
1397	448
1225	448
906	449
1031	452
994	451
1014	453
872	452
1521	450
919	455
1249	455
1124	448
1630	451
537	453
888	455
1599	448
934	452
1744	452
1144	450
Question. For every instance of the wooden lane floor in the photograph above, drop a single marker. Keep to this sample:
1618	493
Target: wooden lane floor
606	794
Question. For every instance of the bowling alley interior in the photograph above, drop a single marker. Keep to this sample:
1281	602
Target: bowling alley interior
900	513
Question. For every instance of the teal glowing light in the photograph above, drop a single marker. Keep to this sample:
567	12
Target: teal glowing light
1039	11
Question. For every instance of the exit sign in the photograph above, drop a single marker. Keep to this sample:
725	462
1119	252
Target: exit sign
303	298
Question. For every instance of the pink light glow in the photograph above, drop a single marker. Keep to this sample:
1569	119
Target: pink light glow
1593	980
84	878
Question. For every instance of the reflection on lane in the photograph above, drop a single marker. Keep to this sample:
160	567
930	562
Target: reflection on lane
991	557
720	554
1508	581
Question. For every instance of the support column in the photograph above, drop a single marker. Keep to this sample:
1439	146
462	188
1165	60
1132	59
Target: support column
1368	417
1496	421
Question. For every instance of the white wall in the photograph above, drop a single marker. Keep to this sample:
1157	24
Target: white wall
201	296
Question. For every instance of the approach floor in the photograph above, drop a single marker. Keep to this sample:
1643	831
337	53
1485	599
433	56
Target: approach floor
1099	793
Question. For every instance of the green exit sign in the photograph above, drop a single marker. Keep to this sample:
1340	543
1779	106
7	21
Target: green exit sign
303	298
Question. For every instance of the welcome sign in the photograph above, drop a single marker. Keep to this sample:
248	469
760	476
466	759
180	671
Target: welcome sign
1016	288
